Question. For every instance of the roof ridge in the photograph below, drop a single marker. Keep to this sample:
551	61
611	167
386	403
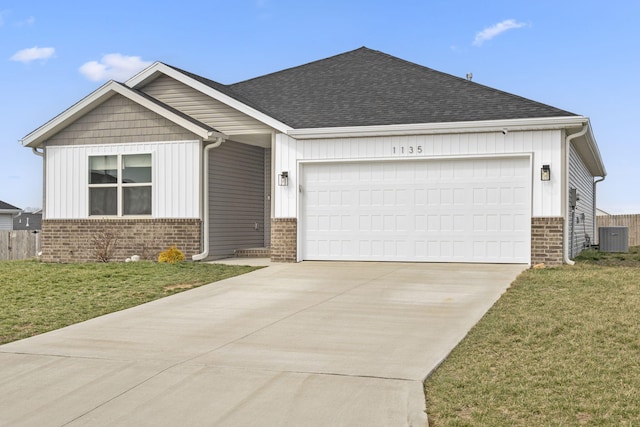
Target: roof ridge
465	81
316	61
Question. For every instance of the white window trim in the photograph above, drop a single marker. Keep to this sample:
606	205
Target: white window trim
119	185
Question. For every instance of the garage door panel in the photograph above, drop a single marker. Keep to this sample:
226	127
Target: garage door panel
467	210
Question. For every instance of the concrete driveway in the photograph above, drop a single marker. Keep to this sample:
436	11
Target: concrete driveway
313	344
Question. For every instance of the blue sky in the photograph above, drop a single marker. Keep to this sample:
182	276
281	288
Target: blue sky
581	56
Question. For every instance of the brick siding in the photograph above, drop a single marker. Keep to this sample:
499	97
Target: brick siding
547	236
546	240
284	239
79	240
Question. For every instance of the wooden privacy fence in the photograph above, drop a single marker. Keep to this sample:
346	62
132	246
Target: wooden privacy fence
631	221
22	244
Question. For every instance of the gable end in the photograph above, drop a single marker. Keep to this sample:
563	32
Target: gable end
120	120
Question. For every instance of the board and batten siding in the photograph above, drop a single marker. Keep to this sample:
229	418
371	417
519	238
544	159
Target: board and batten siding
545	146
237	198
203	108
580	178
119	120
175	178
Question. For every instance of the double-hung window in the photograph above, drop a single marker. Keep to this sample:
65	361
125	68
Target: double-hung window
120	185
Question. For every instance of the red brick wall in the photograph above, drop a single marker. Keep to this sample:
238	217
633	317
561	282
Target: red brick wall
68	240
547	241
284	239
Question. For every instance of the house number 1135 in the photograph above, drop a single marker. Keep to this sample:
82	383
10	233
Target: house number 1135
399	150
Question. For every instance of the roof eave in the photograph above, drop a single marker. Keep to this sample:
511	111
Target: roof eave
546	123
590	153
158	68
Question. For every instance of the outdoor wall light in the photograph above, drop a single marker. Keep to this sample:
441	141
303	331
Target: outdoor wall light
283	179
545	173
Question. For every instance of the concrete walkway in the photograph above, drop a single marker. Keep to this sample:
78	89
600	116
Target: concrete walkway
308	344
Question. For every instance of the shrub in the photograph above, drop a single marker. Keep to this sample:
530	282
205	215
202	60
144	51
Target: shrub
171	255
104	244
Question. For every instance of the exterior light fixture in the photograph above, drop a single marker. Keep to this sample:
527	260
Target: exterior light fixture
283	179
545	173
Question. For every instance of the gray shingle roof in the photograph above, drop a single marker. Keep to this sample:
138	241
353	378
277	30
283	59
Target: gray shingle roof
7	206
27	221
366	87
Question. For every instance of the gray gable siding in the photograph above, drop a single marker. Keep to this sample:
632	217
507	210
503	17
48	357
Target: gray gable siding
236	195
202	107
120	120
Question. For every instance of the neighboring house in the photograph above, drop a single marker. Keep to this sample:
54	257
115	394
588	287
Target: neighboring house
600	212
7	212
28	220
360	156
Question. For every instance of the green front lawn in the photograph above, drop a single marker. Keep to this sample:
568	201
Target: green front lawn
38	297
561	347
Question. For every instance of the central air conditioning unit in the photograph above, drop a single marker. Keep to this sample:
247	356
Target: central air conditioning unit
613	239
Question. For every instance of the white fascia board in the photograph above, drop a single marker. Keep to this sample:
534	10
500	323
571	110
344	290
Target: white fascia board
590	153
547	123
157	68
100	95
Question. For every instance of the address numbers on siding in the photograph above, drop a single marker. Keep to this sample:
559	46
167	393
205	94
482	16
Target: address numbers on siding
406	150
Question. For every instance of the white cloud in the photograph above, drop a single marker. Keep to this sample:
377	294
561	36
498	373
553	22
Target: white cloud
33	53
497	29
27	22
113	66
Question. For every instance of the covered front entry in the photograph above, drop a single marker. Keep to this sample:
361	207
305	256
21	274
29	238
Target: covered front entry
436	210
239	198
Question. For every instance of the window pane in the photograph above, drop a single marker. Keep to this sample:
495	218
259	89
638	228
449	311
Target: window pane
103	201
103	169
137	201
136	168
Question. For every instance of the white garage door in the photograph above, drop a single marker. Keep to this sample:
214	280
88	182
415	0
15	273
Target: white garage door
454	210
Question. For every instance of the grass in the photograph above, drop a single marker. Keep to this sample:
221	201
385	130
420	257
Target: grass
560	348
38	297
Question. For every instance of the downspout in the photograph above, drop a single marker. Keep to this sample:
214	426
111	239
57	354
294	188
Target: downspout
595	216
565	251
44	185
205	198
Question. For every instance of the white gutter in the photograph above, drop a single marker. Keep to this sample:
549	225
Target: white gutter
205	200
565	252
511	125
44	184
595	216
